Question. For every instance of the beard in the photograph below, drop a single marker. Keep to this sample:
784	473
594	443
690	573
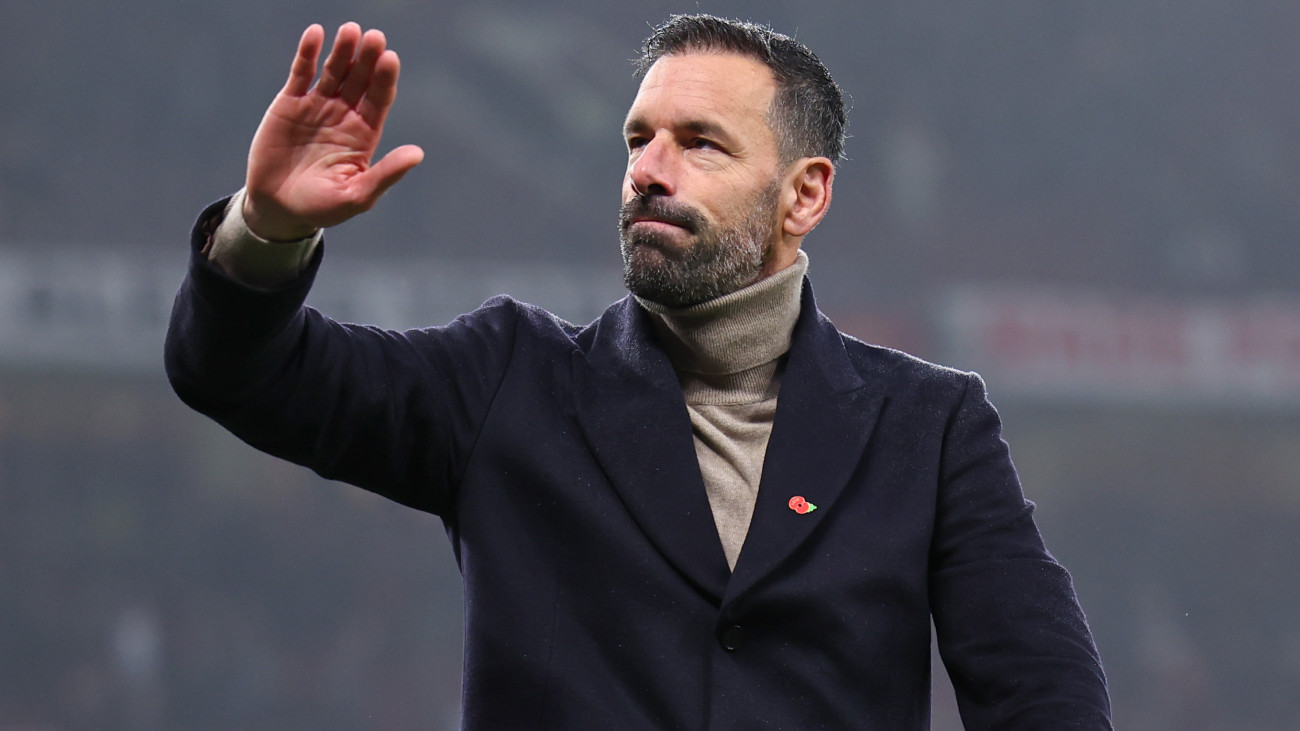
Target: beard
722	258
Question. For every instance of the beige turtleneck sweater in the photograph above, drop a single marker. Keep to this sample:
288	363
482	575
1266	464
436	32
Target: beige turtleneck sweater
728	356
727	353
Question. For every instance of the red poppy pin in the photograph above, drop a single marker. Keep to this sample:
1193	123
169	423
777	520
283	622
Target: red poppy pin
801	506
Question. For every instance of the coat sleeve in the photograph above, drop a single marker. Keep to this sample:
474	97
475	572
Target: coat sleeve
393	412
1011	633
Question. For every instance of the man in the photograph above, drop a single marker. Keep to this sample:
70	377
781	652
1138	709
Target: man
707	509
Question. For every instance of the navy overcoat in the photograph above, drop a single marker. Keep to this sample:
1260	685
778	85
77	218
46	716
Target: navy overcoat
597	595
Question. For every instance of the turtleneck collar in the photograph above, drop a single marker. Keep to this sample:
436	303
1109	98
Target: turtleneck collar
735	332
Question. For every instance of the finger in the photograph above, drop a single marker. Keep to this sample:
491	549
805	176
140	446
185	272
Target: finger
303	69
385	173
358	78
378	99
340	59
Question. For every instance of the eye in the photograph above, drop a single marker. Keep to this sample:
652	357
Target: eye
636	143
702	143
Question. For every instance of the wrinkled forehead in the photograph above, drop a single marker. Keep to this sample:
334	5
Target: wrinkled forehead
707	81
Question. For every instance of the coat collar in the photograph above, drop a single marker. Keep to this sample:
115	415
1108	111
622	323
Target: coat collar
825	414
633	414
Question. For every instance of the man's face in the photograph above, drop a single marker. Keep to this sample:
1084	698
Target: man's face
700	196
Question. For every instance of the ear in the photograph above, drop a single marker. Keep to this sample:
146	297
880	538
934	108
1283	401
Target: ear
807	195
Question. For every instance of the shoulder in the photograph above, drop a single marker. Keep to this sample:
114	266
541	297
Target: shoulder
849	362
522	322
907	375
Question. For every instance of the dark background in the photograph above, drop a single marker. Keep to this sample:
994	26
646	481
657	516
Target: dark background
156	573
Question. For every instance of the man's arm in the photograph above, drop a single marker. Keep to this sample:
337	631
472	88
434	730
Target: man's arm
1010	630
392	412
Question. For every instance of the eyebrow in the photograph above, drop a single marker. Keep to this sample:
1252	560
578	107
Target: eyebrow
695	126
707	129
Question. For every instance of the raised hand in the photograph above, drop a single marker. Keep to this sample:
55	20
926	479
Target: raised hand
310	165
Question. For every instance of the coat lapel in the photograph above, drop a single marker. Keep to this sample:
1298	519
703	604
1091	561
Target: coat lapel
633	415
824	417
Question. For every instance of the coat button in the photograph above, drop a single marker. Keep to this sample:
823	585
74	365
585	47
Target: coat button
732	638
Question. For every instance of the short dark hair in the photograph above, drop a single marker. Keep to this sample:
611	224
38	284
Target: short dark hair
808	115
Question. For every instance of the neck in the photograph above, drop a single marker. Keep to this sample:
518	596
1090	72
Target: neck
734	332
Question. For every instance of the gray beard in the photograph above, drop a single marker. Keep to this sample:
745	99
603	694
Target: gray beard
719	261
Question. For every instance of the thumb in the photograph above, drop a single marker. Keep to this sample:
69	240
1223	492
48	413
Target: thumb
384	174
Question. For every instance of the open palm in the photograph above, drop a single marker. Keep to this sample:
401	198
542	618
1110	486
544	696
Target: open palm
311	162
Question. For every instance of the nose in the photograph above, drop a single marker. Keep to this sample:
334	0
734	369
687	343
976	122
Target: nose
650	172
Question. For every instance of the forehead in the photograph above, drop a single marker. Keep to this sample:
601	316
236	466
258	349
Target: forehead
722	87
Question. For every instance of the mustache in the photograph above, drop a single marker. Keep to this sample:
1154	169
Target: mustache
660	209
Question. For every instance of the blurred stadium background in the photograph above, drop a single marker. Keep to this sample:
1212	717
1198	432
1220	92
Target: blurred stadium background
1094	204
